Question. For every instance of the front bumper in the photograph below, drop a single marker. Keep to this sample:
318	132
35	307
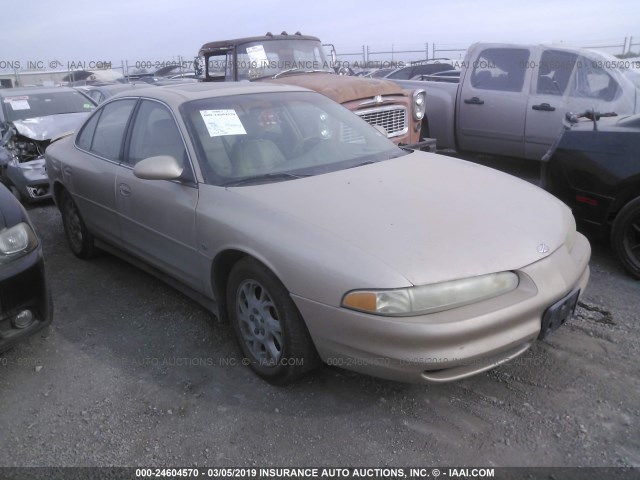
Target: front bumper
448	345
23	287
31	180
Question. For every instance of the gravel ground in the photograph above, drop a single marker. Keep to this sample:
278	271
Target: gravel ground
132	373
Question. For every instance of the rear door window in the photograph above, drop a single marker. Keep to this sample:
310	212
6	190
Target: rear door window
110	129
555	72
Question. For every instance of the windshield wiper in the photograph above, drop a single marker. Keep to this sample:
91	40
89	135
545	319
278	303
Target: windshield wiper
368	162
267	176
299	70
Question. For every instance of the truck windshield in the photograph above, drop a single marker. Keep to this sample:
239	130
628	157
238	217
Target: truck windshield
271	57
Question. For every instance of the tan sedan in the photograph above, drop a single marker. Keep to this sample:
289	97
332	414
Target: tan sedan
317	237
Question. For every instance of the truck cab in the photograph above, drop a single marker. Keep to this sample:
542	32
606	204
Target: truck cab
511	99
300	60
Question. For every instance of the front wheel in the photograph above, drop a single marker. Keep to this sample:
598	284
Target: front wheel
80	240
270	331
625	237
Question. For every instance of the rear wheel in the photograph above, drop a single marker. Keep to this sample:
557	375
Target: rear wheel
625	237
270	331
80	240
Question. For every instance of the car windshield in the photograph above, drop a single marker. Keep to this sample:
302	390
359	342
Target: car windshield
269	137
269	58
21	107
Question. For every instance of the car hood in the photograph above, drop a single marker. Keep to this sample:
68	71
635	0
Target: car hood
51	126
340	88
430	218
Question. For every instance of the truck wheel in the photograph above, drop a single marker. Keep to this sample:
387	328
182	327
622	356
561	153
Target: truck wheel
271	333
625	237
80	240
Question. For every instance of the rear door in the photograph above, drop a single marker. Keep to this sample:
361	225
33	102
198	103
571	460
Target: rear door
549	100
493	100
157	217
90	174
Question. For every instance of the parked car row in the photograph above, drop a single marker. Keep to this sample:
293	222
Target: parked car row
315	235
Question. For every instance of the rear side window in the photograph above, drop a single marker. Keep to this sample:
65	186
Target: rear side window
110	128
500	69
86	134
555	72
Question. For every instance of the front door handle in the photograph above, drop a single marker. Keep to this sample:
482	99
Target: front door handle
544	107
124	189
474	101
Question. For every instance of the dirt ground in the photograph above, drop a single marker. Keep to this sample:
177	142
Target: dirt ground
133	373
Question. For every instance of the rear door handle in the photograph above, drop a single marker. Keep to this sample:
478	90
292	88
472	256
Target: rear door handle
124	189
544	107
473	101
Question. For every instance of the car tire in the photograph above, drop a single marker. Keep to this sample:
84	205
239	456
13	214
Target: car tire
271	333
80	240
625	237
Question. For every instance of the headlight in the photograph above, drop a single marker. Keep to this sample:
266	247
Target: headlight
16	241
31	166
419	104
433	298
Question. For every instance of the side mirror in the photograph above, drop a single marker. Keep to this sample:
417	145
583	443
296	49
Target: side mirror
162	167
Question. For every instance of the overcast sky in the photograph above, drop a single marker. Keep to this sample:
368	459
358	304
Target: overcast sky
154	30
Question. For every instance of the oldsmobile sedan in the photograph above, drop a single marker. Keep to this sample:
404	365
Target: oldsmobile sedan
315	236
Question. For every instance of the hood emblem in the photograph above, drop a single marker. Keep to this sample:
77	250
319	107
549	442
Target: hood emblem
543	248
377	100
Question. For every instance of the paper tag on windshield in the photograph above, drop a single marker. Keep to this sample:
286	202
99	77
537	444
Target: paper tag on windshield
222	122
257	55
19	103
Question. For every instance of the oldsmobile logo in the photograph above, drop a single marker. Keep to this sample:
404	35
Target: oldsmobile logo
543	248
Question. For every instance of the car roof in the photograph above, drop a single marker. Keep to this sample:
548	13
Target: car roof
115	87
264	38
178	94
14	92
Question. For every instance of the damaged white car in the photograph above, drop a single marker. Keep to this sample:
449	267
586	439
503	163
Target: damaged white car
30	119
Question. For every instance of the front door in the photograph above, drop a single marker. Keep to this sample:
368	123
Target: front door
157	217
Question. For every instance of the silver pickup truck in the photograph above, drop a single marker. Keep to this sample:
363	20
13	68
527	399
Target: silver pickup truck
511	99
